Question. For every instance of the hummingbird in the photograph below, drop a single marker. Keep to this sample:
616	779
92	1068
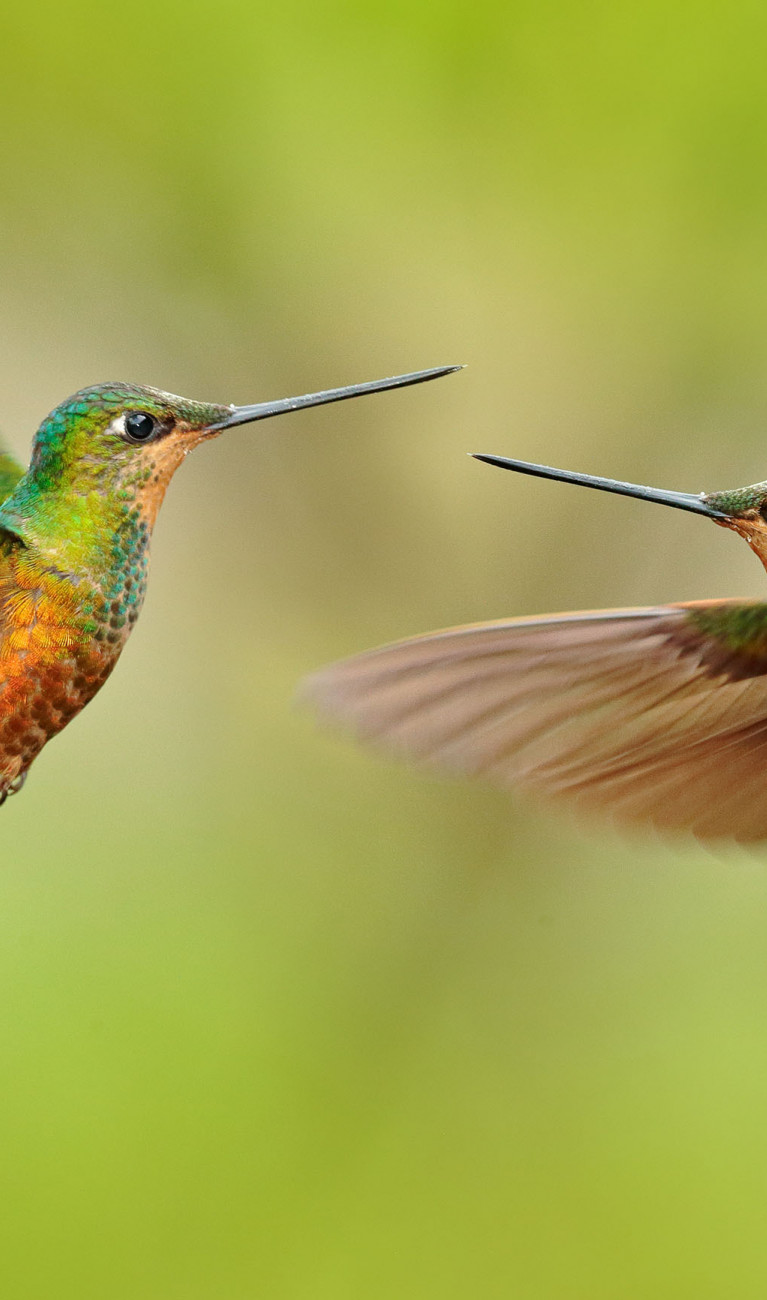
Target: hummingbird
654	717
75	532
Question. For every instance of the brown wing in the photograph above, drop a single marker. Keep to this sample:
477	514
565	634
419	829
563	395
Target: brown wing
653	716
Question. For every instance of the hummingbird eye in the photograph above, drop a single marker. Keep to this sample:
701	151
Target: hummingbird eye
139	426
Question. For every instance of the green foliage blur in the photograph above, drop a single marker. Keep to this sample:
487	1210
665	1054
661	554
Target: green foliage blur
280	1020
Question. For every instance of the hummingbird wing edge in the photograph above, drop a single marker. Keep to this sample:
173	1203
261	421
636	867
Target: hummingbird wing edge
653	716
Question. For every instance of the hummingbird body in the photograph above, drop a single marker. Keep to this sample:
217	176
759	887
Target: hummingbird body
75	533
74	560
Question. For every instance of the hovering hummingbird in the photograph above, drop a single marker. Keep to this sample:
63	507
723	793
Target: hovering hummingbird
74	543
655	716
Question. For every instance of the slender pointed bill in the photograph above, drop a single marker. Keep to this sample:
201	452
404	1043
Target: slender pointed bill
699	504
264	410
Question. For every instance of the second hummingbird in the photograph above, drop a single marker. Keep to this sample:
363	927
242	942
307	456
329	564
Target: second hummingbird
654	716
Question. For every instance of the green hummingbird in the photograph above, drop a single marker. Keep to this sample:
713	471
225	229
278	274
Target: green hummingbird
75	531
649	716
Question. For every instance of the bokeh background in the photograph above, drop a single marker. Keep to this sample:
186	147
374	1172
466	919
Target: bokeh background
278	1019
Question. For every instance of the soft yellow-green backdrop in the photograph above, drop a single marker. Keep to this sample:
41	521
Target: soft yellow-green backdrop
279	1021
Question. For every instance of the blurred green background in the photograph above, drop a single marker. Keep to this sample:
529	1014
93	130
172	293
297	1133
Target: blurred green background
278	1019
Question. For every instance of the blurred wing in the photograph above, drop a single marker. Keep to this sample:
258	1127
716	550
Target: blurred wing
652	716
10	473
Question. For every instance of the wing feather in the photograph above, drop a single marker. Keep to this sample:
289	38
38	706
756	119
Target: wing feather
650	715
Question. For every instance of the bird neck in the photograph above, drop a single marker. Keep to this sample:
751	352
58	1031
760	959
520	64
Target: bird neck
752	528
96	539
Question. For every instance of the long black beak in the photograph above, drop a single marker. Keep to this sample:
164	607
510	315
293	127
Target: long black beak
263	410
700	504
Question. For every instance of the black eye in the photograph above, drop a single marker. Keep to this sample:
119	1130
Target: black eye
139	426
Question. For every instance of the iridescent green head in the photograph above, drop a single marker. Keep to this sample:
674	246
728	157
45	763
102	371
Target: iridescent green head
104	456
110	435
110	451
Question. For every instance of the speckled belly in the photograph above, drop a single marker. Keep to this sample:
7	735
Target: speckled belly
37	705
59	641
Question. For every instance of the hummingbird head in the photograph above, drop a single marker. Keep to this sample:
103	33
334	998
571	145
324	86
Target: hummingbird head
109	452
119	440
744	510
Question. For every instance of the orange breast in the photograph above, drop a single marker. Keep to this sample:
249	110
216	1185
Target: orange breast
52	659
